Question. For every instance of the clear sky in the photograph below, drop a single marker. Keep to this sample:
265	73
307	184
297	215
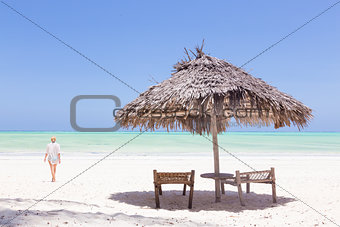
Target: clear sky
135	40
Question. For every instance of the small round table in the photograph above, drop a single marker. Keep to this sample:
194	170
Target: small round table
220	176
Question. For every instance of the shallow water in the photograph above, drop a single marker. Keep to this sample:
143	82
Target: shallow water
177	144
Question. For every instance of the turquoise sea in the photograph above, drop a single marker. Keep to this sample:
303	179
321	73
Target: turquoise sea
177	144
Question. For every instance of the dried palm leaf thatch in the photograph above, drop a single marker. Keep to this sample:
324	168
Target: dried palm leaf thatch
203	82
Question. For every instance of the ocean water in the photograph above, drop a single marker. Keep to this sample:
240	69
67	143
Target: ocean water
177	144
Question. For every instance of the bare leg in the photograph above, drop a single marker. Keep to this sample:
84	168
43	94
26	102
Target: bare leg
52	171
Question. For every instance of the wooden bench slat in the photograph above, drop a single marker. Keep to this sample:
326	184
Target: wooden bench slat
173	182
256	181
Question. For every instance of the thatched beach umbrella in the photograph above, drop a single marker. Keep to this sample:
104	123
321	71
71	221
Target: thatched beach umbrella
203	95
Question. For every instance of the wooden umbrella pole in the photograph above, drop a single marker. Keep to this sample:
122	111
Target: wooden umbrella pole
213	126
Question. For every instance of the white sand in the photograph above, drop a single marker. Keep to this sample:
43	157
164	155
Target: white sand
119	192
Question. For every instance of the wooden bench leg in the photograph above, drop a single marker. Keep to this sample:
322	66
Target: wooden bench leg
191	195
274	191
248	187
184	189
239	188
160	189
222	188
157	196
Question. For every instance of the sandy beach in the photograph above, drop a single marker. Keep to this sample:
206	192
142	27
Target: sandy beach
119	192
119	89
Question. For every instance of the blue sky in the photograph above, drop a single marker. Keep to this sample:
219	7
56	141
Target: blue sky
135	40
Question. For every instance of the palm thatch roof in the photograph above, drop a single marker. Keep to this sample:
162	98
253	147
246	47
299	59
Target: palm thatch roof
203	82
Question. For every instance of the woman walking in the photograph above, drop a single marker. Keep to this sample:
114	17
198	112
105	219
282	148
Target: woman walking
53	156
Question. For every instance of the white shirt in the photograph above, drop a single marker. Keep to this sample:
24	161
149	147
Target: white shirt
52	150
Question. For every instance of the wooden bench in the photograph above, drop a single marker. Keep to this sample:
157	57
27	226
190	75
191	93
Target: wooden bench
186	178
265	176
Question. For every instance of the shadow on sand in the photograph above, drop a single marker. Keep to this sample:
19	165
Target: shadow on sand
203	200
